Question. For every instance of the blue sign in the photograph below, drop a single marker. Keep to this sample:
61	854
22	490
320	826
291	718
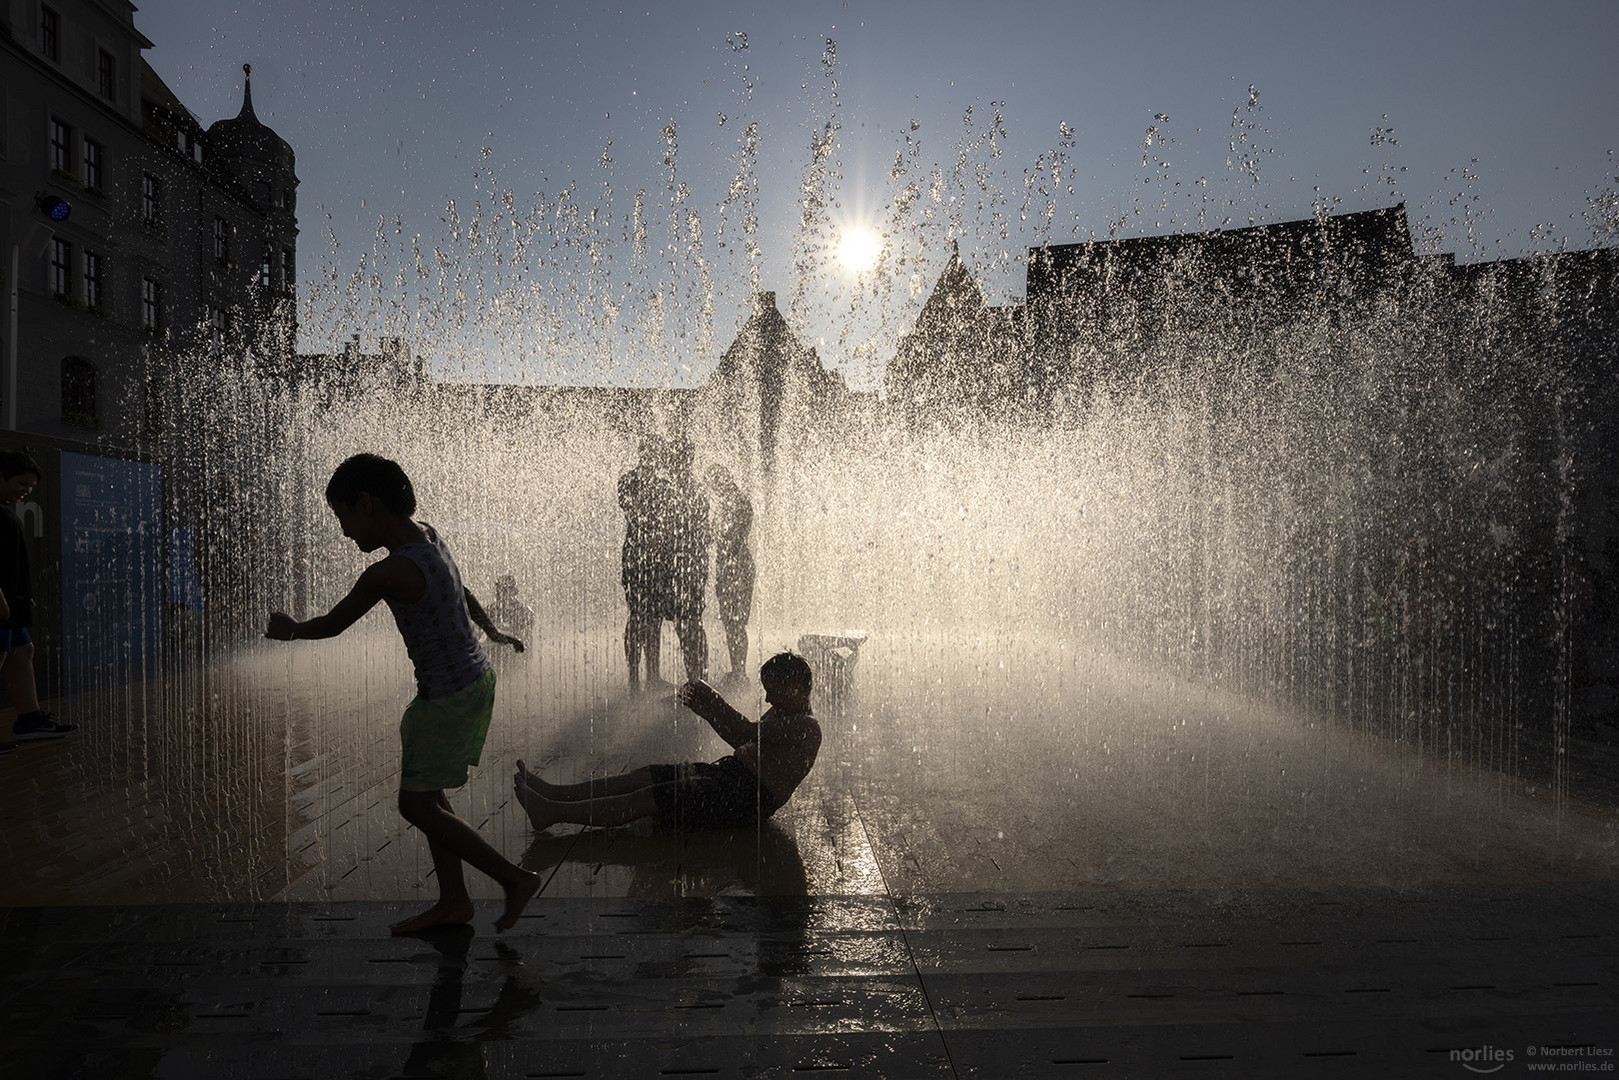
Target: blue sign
112	560
185	587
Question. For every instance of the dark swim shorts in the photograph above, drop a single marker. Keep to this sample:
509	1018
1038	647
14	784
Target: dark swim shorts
700	795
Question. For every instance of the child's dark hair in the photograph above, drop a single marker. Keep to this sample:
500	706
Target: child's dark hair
790	668
18	462
375	476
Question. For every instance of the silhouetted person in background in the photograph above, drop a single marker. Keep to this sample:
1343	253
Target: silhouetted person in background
444	727
733	567
19	475
772	757
686	524
509	611
644	494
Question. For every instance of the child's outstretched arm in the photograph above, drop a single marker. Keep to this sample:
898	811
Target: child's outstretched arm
729	724
392	576
481	619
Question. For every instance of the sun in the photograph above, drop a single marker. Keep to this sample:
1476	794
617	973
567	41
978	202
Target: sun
858	249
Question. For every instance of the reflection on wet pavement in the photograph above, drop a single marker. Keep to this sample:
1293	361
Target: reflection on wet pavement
987	874
1267	983
274	777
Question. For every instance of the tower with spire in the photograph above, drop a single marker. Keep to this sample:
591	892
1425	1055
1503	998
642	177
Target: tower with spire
263	169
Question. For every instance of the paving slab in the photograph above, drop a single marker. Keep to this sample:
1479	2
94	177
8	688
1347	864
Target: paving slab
1110	873
956	985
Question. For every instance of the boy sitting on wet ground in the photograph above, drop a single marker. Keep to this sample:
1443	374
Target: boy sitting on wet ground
771	759
443	729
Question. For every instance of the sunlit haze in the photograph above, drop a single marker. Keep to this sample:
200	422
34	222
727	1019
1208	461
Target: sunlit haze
734	137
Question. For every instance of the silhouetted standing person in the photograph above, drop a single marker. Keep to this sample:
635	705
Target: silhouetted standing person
644	495
19	475
686	521
733	566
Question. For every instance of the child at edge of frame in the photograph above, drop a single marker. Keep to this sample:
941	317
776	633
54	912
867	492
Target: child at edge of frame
19	475
443	729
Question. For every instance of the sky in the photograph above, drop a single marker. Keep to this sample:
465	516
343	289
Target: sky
623	178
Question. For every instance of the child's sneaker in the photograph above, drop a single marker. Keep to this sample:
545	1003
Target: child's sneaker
40	725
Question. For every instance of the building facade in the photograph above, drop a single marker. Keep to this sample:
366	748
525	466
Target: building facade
138	244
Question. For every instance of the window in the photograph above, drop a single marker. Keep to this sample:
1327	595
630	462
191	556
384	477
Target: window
151	199
107	75
151	305
221	241
288	276
218	324
61	269
94	155
50	33
261	191
196	152
92	280
264	270
61	146
78	390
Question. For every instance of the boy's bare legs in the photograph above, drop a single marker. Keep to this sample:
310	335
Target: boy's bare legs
596	788
736	641
643	643
634	646
606	810
693	646
452	842
652	649
18	671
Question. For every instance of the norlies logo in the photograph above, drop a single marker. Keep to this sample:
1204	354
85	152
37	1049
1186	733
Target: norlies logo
1486	1059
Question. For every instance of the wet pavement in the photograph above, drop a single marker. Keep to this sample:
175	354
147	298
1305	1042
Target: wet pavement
1007	863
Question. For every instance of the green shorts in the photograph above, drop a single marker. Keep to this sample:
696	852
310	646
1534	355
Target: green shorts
443	736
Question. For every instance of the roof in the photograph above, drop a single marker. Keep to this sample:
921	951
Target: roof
154	89
246	136
1371	236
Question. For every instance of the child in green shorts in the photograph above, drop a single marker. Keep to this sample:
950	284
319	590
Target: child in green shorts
443	729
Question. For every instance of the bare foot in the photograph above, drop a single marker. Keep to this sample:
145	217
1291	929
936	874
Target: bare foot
542	812
518	894
443	913
530	779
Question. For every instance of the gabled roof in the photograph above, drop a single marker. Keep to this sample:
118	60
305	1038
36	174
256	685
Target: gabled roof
956	294
767	350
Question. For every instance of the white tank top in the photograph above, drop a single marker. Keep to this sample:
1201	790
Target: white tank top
437	630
